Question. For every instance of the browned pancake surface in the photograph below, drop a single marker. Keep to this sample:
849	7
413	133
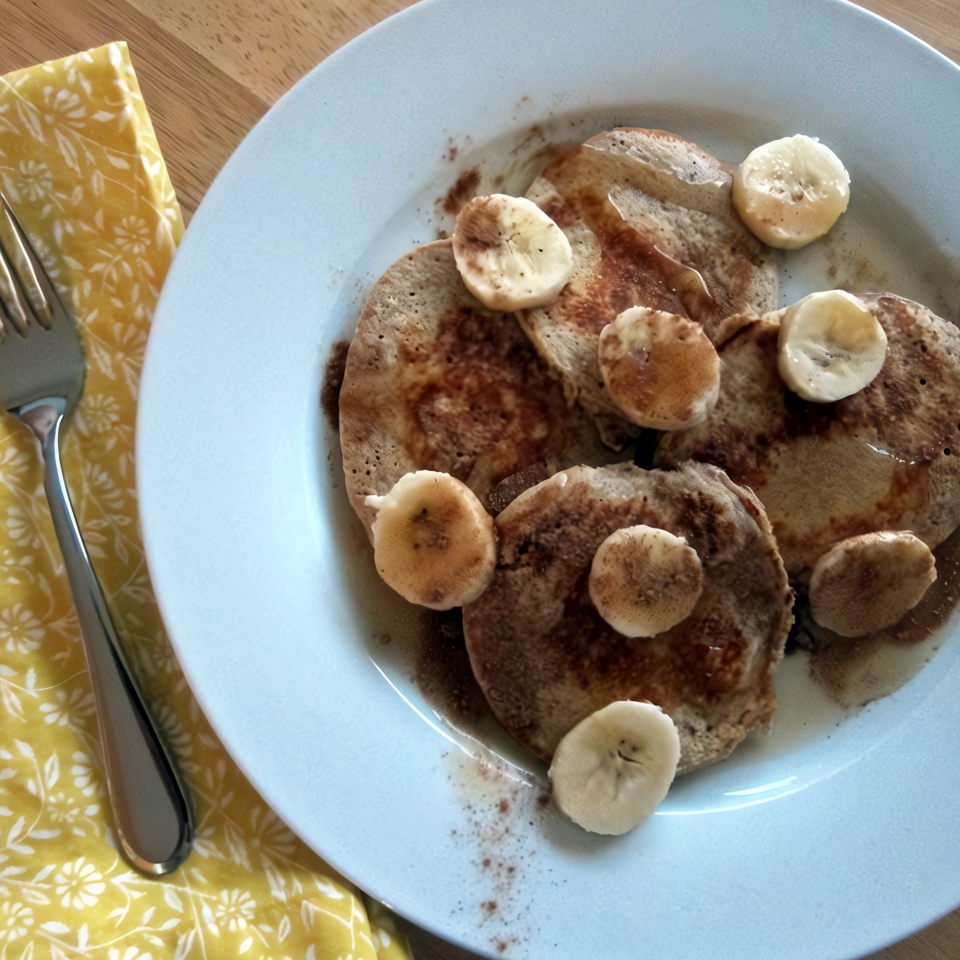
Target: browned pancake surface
546	659
434	381
887	458
651	223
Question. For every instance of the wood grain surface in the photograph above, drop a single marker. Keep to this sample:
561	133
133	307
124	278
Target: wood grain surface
210	70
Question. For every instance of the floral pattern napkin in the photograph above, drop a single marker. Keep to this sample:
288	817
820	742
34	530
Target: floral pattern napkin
80	164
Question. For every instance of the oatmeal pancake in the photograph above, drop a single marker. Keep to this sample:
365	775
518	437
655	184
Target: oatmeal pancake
546	659
651	222
435	381
886	458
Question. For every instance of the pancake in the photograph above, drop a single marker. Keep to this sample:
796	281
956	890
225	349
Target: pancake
544	657
887	458
434	381
651	223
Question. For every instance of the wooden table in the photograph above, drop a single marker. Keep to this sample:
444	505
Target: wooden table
210	70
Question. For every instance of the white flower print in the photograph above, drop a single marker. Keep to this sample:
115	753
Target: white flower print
175	736
122	354
86	778
78	705
79	885
66	811
20	630
63	108
161	654
15	464
35	180
234	909
14	567
272	837
20	528
132	235
51	260
98	413
102	487
15	922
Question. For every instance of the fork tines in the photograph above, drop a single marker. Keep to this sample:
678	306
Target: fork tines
22	294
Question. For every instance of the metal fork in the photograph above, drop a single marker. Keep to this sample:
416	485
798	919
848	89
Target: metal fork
41	378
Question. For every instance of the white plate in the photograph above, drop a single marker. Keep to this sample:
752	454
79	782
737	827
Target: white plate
826	841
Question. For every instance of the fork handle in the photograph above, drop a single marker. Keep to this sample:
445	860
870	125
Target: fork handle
149	807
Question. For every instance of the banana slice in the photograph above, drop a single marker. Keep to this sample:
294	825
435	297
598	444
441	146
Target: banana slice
791	191
830	346
510	254
432	540
612	770
659	368
644	580
867	583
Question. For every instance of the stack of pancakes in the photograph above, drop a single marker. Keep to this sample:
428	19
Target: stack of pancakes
515	406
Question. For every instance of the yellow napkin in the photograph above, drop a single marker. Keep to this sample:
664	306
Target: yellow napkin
80	164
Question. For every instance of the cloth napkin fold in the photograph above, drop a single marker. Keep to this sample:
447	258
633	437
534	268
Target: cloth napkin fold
80	164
